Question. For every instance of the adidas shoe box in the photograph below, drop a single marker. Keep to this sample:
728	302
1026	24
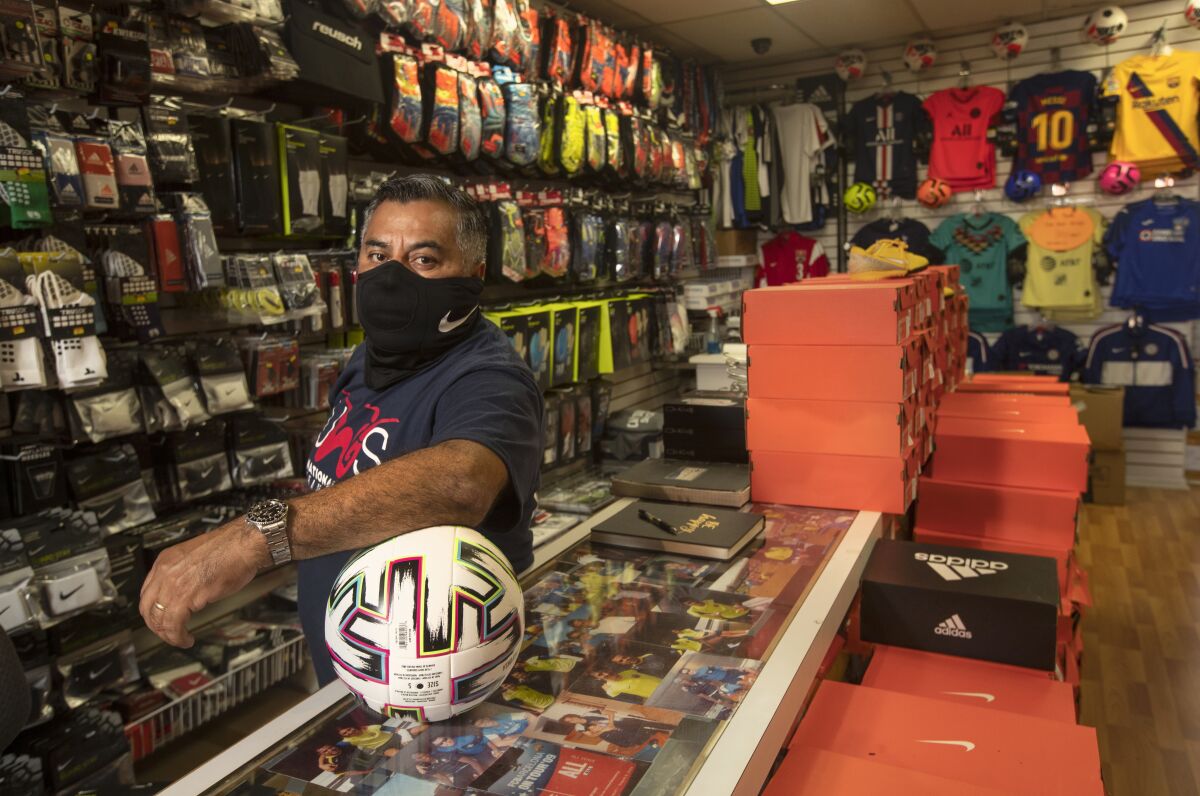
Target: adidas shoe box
1061	555
990	606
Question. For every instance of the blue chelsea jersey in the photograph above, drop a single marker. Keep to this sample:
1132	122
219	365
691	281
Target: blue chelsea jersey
1155	368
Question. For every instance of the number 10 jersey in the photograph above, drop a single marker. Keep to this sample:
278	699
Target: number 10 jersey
1052	118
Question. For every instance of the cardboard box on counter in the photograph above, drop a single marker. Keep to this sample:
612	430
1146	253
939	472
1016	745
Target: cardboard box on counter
1101	410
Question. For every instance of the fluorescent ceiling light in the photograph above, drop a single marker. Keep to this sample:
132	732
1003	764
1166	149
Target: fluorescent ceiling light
780	2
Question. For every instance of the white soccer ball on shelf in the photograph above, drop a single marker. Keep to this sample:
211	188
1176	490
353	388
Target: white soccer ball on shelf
1105	25
920	54
1191	12
1009	40
850	65
427	624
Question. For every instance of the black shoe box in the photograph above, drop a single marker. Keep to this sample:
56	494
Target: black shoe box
709	428
980	604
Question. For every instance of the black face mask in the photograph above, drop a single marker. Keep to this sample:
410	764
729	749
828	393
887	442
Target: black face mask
411	321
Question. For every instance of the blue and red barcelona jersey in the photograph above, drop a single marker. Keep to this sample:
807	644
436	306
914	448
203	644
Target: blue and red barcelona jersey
1052	117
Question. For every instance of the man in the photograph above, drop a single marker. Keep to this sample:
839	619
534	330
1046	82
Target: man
435	421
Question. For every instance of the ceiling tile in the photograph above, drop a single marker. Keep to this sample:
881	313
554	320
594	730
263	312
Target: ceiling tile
607	11
951	14
839	23
677	44
675	10
728	36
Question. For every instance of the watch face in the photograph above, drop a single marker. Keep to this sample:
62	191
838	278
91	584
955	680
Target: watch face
267	512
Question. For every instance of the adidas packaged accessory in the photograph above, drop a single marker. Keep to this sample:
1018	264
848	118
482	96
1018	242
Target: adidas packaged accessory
522	132
440	135
200	464
135	187
256	164
88	673
109	484
169	142
300	171
99	173
70	322
470	122
492	118
260	452
178	404
222	379
168	254
335	179
112	409
597	139
58	151
507	258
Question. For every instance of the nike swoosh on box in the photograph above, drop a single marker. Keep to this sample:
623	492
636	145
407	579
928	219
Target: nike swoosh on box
989	698
966	745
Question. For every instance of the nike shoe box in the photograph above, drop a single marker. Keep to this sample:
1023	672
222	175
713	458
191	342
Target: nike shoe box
708	427
1060	412
838	427
834	372
991	606
1032	455
989	748
886	484
820	313
1061	555
983	404
815	771
1023	516
1014	384
991	686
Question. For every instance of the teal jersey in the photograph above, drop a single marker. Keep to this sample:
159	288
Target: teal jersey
980	246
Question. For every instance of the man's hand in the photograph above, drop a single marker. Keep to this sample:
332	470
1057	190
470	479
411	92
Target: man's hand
192	574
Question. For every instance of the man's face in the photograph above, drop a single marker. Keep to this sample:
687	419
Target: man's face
422	235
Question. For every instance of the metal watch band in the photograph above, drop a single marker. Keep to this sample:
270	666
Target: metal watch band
278	543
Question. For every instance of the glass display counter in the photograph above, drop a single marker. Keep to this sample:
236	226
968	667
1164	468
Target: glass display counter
640	673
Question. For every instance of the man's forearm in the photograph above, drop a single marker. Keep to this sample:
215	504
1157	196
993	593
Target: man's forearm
454	483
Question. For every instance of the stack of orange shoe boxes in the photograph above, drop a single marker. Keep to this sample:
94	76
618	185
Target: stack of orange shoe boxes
833	408
1008	476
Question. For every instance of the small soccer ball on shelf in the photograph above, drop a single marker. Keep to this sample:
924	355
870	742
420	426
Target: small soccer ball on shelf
1022	185
425	625
1105	25
1009	40
920	54
859	197
1120	177
933	193
850	65
1191	12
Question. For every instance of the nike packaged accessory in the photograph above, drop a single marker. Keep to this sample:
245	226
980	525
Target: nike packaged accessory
88	673
588	242
522	132
22	363
201	467
440	135
123	55
41	710
507	259
169	142
256	163
335	177
19	607
109	483
213	142
411	321
300	169
492	116
178	404
135	188
73	585
111	409
407	118
222	379
260	453
127	557
470	122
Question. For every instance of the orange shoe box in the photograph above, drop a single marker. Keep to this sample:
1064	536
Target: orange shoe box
1061	555
813	771
949	273
812	313
982	684
1006	751
1018	387
886	484
1033	455
982	401
1023	516
840	427
1022	413
887	373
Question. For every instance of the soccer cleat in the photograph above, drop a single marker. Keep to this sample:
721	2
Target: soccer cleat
884	259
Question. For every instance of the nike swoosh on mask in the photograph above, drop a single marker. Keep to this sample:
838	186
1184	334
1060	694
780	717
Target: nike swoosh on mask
445	325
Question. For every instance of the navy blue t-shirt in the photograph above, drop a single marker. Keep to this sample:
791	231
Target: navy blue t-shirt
909	230
479	391
1051	352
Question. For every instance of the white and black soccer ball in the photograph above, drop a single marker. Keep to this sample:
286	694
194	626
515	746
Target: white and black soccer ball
1009	40
425	625
851	64
1105	25
920	54
1191	12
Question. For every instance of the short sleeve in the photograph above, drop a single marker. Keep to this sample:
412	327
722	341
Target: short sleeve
1098	227
943	236
1026	222
1114	236
932	102
1114	81
818	263
1013	237
822	139
500	409
994	103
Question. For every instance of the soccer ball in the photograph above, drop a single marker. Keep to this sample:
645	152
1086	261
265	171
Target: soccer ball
933	193
1022	185
1009	40
1119	178
1191	12
859	197
425	625
850	65
1105	25
920	54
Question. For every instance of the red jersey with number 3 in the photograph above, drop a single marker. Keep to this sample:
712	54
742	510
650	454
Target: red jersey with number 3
962	156
790	257
1052	115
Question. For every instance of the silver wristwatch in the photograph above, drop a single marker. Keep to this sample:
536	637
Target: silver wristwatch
270	518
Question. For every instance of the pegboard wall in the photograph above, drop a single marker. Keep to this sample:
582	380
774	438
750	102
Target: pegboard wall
1053	45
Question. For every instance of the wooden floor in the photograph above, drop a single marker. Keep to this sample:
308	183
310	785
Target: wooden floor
1141	660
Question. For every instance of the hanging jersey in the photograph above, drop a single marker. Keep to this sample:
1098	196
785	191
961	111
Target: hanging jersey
1156	115
803	134
884	128
1058	264
981	246
1156	247
1052	113
962	156
790	257
1047	352
979	353
1155	368
914	234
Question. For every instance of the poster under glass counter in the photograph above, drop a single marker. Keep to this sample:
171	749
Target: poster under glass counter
632	663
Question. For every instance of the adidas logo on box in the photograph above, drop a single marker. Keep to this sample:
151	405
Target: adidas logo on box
958	567
953	627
